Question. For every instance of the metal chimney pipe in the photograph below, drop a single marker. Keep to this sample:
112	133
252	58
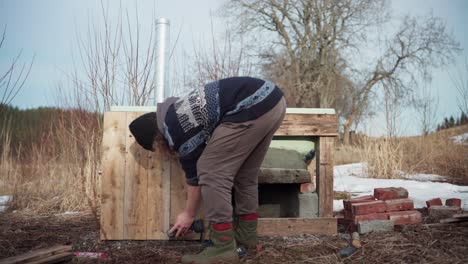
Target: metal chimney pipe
162	60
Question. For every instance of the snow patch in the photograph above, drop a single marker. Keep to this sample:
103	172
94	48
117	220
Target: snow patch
5	199
425	177
460	139
347	178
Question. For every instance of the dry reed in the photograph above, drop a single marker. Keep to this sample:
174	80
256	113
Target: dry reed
61	173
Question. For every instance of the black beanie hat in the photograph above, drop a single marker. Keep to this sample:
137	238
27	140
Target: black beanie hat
144	129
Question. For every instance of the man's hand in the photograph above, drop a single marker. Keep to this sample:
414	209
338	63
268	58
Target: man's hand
183	222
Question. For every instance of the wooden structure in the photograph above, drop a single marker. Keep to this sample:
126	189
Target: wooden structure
142	192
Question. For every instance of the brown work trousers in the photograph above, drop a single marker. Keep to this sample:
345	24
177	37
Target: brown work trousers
232	158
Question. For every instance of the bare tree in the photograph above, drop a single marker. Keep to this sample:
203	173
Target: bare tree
426	105
224	57
417	48
392	109
308	37
312	37
114	63
15	76
460	80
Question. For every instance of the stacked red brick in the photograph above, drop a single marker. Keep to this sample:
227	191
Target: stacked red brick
438	211
386	204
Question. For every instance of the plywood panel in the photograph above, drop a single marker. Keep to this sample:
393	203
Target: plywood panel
113	177
308	125
136	185
296	226
325	175
158	198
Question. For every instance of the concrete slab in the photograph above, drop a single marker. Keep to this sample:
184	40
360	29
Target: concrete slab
375	226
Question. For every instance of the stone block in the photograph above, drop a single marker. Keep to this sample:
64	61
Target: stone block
438	212
375	226
308	205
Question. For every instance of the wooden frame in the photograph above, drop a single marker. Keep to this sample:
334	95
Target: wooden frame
142	192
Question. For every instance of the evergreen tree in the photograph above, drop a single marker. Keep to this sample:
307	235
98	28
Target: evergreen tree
451	122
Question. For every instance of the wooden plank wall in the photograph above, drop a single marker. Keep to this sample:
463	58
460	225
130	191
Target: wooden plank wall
135	184
142	192
308	125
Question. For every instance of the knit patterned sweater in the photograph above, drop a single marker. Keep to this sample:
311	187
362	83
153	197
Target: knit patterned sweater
188	122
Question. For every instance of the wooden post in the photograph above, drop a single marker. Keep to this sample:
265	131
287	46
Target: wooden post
324	157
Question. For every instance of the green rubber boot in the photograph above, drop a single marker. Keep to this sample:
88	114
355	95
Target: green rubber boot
246	233
222	251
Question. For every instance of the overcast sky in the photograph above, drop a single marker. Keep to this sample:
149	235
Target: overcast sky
47	29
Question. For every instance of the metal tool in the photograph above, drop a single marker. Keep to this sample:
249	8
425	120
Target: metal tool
197	227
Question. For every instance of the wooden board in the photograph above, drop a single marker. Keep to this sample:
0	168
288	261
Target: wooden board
296	226
308	125
59	258
324	159
158	198
136	185
113	176
275	175
37	254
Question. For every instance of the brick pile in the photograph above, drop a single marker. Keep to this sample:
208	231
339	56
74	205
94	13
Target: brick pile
386	204
439	211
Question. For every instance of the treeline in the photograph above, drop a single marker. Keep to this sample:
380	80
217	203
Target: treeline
39	127
453	122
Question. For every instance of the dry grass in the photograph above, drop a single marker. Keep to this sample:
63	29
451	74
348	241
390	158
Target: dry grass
58	174
345	154
435	153
384	157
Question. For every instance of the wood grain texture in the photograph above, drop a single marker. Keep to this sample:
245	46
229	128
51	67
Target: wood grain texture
158	181
113	176
308	125
37	254
296	226
178	190
136	185
275	175
325	175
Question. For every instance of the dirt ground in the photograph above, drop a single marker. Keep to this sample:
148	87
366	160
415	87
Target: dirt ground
21	232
